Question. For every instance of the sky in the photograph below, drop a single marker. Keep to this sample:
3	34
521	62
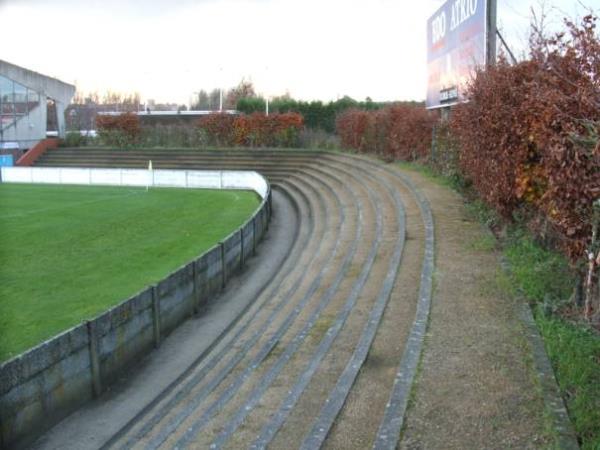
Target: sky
312	49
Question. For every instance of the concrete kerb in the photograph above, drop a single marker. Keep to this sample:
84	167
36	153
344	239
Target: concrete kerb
566	437
41	386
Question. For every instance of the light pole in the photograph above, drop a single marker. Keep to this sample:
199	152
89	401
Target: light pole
220	89
266	95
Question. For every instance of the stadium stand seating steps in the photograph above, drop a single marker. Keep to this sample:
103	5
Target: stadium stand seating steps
287	161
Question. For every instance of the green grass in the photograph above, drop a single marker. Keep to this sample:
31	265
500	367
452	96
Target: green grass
485	243
483	213
427	172
544	278
575	355
68	253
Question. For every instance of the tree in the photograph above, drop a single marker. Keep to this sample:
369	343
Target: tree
203	101
245	89
213	99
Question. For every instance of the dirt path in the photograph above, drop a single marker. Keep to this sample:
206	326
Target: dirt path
476	387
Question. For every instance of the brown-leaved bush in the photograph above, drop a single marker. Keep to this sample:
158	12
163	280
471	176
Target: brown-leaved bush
254	130
524	134
119	130
395	132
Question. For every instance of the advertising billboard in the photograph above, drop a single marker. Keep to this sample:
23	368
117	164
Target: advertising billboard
456	44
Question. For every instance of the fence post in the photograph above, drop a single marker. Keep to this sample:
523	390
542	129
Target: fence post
94	360
267	213
155	316
254	234
241	247
223	265
195	302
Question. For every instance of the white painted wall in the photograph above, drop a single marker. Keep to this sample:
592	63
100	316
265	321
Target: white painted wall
202	179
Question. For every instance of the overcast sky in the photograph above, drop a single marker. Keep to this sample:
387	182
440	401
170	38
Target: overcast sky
169	49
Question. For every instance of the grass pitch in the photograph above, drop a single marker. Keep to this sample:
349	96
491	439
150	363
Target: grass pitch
68	253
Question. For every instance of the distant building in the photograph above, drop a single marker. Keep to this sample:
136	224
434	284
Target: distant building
32	105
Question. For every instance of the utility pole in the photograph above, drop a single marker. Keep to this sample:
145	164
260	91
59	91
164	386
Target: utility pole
490	51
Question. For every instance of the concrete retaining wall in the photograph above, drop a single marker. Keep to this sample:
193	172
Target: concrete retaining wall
42	386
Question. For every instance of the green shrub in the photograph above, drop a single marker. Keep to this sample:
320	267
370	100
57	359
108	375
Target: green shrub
318	139
75	139
173	136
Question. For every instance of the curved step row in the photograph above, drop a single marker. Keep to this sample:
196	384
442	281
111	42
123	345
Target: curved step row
388	434
311	367
186	412
320	359
309	233
279	365
253	358
290	345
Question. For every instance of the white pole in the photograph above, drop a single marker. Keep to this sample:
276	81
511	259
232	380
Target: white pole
221	89
266	95
150	177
